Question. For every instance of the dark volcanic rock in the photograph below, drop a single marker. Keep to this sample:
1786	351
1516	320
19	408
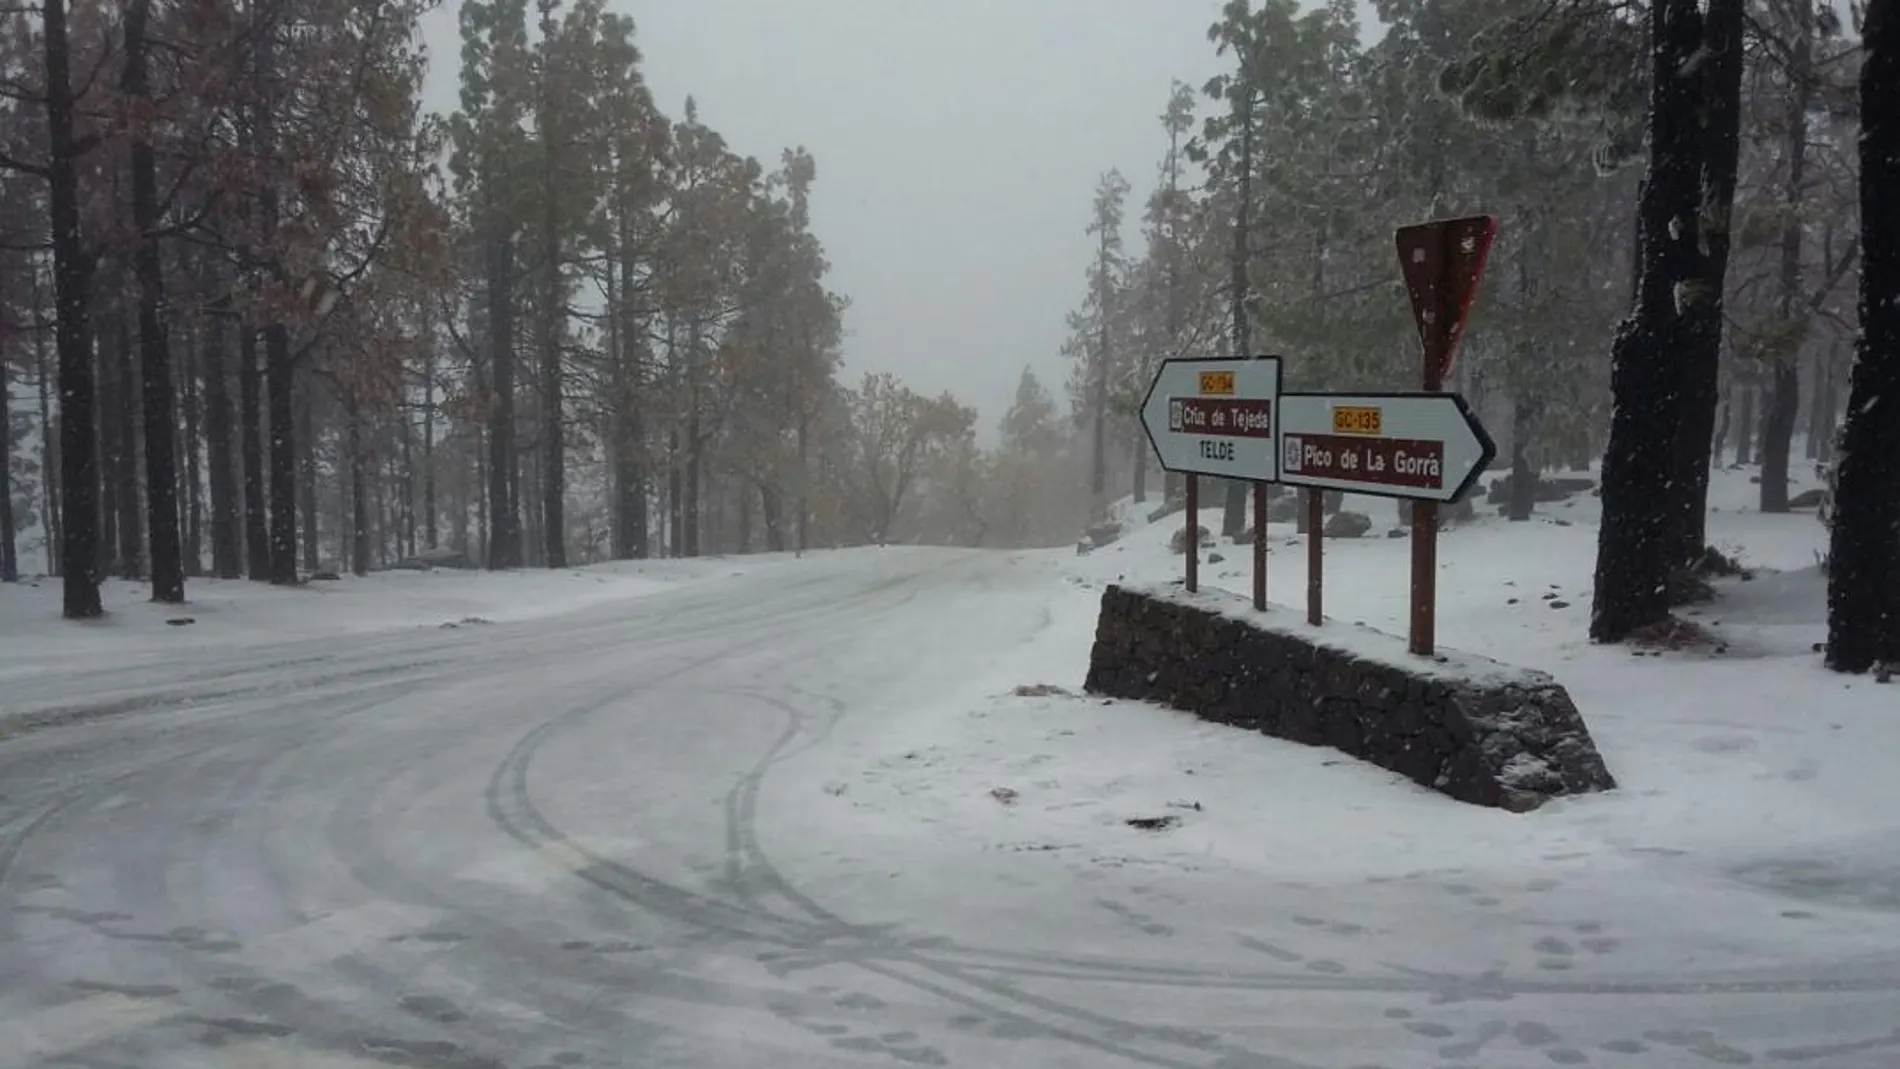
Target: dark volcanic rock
1348	525
1479	731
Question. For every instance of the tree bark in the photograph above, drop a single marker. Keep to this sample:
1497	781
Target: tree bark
226	522
1234	510
553	312
9	547
279	389
50	478
1139	460
72	291
1784	399
504	545
1719	103
1745	427
1863	589
1720	449
1523	476
125	476
1635	551
106	380
251	449
191	480
310	532
359	497
1821	416
161	474
428	443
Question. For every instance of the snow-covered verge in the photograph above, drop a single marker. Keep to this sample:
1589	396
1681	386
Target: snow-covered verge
1754	830
238	613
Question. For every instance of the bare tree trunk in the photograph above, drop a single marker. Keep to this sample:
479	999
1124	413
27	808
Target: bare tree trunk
251	449
306	385
1722	426
50	477
161	475
9	547
428	443
359	492
1745	427
1234	511
504	532
1863	595
1719	115
1821	414
72	290
1784	400
1138	457
125	477
279	373
190	445
1635	553
406	498
106	380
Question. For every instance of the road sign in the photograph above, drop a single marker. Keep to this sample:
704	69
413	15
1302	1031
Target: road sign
1216	417
1442	262
1425	446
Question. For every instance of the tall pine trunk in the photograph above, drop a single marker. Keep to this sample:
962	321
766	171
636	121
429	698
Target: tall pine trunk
125	475
161	475
50	483
359	496
1822	407
72	292
191	479
1863	585
1234	510
1784	398
279	391
553	313
306	385
106	381
1719	104
251	448
504	533
1635	552
428	442
227	559
9	547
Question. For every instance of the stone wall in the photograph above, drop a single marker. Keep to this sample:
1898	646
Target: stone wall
1479	731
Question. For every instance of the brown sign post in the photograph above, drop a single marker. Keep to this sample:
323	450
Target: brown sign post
1218	417
1442	262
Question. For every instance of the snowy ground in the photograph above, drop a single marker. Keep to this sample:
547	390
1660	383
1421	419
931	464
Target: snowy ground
794	813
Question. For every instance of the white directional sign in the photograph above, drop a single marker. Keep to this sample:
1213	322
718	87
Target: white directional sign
1426	446
1216	417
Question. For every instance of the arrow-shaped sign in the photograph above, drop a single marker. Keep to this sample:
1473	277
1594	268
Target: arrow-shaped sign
1424	446
1216	417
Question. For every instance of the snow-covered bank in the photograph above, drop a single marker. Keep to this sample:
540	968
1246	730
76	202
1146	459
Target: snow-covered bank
238	613
1754	829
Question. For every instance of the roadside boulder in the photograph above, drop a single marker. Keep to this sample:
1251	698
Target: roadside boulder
1348	525
1178	543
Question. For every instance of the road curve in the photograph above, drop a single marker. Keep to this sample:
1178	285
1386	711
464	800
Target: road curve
552	844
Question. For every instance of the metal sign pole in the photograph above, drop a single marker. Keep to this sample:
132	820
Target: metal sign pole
1260	546
1193	533
1315	555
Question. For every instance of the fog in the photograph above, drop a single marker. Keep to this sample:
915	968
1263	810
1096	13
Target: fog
957	146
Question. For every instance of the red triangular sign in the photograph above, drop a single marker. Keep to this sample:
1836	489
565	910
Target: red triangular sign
1442	262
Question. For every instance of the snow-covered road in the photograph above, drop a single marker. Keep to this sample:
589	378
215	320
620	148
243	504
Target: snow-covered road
701	828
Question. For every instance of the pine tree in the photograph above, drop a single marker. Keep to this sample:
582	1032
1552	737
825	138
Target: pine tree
1864	564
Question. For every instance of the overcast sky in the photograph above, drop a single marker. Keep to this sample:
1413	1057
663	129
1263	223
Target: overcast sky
958	144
